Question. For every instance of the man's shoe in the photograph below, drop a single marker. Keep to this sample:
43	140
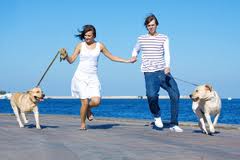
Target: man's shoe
176	129
158	122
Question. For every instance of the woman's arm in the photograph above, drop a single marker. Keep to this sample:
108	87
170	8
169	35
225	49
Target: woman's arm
73	57
105	51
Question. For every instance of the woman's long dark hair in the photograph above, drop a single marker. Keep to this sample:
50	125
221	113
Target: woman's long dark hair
85	29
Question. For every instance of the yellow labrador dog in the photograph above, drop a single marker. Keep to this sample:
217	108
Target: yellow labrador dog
206	103
27	102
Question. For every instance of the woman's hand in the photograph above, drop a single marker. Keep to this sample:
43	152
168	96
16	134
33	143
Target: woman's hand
63	54
133	59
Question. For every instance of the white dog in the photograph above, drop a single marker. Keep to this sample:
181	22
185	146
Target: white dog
206	102
27	102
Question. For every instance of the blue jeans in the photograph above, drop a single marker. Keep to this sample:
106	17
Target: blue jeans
153	82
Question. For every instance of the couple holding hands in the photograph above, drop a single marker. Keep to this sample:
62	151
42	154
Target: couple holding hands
155	66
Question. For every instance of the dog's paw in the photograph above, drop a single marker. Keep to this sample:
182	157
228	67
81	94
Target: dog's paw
212	130
204	132
38	127
210	134
21	126
26	121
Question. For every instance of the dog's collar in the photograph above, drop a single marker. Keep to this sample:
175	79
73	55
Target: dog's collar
212	98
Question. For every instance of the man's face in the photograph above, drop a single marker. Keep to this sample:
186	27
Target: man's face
152	27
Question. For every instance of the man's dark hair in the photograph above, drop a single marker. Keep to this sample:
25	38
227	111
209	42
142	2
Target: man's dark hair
149	19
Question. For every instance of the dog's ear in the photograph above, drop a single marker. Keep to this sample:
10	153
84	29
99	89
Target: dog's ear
209	87
30	91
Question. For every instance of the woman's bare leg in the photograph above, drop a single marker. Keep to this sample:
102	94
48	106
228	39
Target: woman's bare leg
83	113
94	102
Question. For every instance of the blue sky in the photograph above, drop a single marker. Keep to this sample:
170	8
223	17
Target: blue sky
204	42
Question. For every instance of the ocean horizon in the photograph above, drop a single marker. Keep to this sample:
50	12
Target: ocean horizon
7	95
130	108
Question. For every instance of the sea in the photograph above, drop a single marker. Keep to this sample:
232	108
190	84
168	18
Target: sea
131	109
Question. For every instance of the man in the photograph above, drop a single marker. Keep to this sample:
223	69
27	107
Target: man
156	69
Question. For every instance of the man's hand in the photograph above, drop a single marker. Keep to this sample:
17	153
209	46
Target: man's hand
133	59
63	54
167	70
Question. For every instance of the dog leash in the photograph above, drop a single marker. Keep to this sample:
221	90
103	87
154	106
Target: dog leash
47	69
194	84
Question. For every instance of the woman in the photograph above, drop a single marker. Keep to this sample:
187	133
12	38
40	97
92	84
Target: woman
85	82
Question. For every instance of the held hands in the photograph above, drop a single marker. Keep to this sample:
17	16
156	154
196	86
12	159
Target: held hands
132	60
63	54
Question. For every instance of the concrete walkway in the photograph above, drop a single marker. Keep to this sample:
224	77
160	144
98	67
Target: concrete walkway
112	139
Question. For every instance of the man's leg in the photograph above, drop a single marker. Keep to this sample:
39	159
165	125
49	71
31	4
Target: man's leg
171	87
152	88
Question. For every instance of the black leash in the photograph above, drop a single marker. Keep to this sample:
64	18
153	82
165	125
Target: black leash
194	84
47	69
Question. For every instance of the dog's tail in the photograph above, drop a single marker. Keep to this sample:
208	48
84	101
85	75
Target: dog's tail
6	96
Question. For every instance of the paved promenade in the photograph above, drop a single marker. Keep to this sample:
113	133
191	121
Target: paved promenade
112	139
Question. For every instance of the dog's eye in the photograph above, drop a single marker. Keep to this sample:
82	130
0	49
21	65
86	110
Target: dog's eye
38	92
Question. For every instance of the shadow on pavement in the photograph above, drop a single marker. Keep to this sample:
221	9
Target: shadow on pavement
42	126
103	126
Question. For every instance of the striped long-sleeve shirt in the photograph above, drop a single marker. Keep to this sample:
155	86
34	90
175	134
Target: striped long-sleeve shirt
155	52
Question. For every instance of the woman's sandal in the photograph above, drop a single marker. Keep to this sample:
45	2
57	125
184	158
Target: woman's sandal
90	115
83	129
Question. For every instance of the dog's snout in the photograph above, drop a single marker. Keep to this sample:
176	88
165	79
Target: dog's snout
43	95
190	95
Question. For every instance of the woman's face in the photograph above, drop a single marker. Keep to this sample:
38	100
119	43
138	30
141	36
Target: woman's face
152	27
89	37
